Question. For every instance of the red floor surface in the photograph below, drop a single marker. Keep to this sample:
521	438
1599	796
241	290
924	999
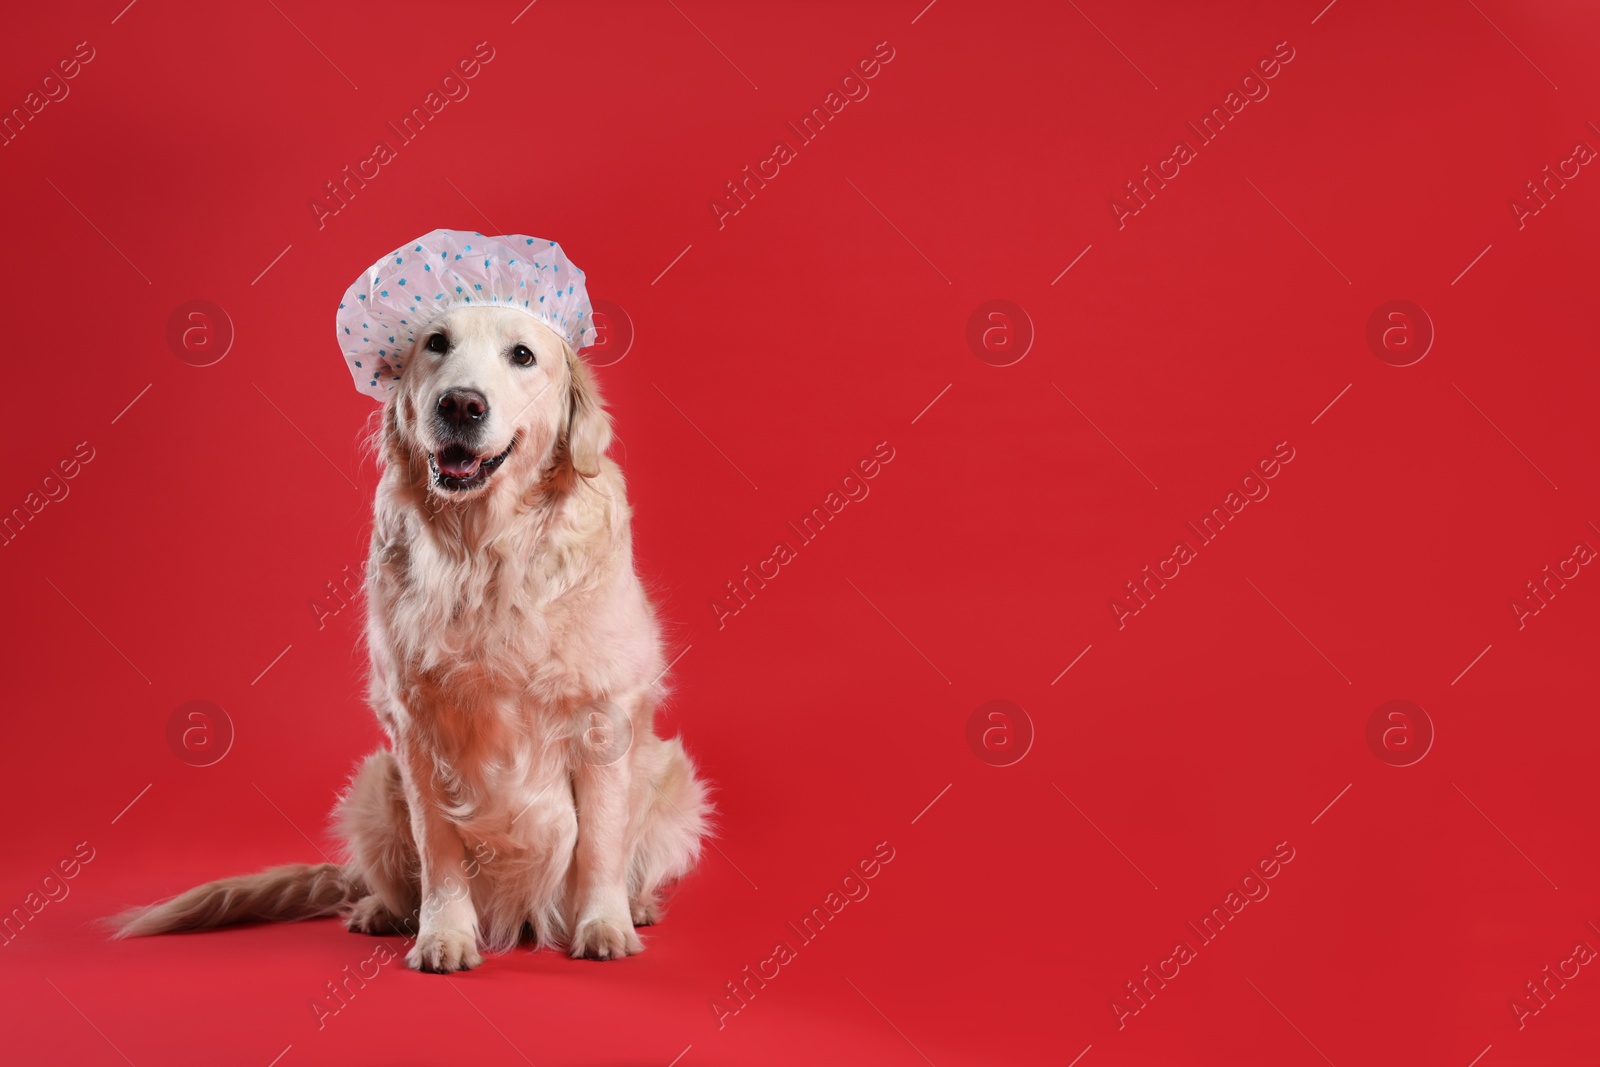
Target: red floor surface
1200	220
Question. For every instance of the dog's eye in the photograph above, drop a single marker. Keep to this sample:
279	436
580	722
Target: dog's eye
439	343
522	356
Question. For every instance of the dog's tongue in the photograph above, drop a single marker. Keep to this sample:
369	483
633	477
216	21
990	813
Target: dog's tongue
458	462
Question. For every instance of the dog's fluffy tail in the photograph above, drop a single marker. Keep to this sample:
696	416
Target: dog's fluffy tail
289	893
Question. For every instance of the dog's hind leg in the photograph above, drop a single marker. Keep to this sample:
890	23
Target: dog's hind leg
376	825
370	915
676	817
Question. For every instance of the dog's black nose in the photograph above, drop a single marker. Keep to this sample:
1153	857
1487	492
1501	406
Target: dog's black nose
462	407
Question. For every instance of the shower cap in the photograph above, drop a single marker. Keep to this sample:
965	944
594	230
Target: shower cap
394	299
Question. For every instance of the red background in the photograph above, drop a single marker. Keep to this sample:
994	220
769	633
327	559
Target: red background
820	320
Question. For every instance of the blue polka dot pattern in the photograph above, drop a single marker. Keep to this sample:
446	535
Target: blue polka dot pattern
505	278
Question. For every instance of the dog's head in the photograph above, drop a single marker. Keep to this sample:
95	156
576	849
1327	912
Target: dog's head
491	394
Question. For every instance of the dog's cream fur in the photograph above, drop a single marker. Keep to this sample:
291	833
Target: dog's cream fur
516	666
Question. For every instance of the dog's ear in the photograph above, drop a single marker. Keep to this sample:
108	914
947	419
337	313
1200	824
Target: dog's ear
388	440
587	431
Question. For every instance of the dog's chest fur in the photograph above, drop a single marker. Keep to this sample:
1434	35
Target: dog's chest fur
516	633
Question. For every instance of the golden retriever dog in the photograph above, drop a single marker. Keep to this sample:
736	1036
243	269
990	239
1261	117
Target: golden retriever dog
516	666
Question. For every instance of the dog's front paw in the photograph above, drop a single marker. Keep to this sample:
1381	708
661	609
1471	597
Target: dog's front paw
444	951
606	939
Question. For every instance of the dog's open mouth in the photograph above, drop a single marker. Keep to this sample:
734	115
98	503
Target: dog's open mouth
457	468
